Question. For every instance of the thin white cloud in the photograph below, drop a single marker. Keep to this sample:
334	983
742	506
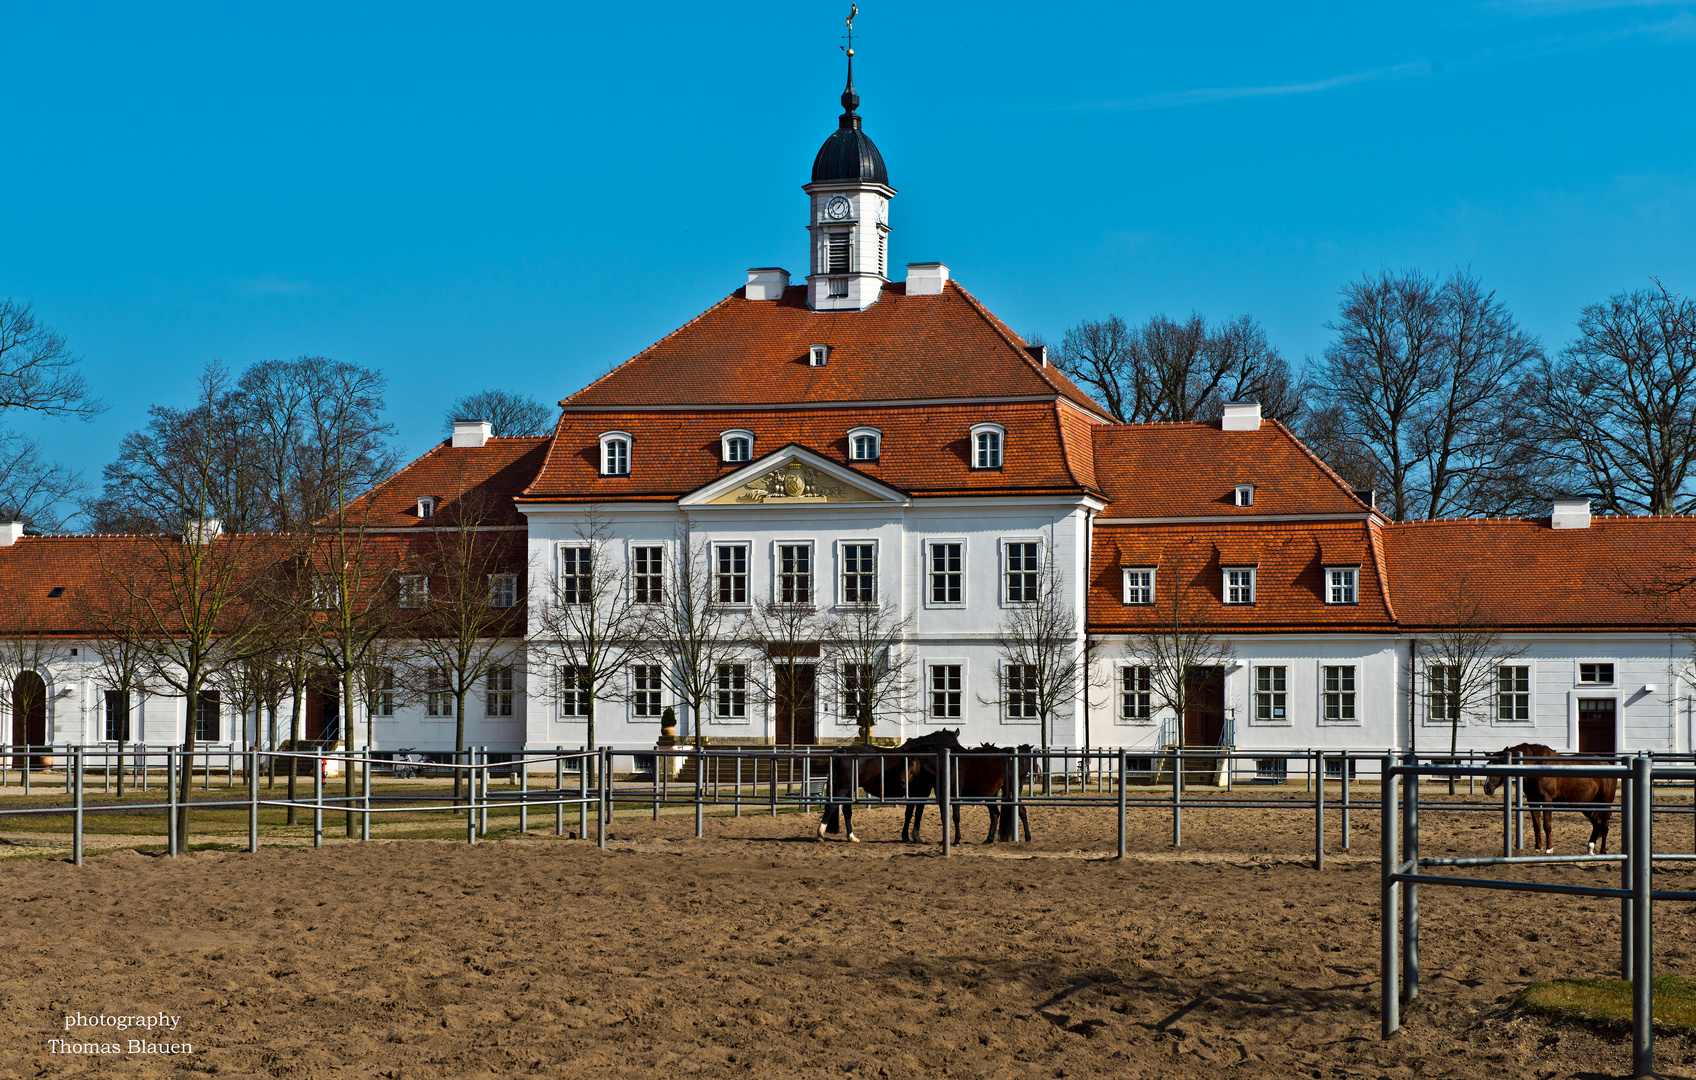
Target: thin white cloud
1180	98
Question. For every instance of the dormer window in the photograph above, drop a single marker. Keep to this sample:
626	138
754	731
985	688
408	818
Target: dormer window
1244	495
865	444
819	355
987	447
615	453
1342	584
426	506
736	446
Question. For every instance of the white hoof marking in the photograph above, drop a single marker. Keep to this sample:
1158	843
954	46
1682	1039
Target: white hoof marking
821	830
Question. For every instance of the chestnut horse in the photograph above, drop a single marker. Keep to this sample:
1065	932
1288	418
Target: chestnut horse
983	772
1542	792
883	775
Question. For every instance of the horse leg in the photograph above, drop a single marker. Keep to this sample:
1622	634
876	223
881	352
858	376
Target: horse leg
1548	816
956	809
1599	822
832	821
994	823
848	822
1024	821
915	813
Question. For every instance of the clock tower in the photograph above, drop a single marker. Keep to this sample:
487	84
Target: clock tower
848	215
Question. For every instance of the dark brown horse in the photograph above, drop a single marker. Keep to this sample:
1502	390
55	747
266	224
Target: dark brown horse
1543	792
906	771
988	772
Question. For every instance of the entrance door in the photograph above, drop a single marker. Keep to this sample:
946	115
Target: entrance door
1204	706
1596	725
29	715
323	712
797	706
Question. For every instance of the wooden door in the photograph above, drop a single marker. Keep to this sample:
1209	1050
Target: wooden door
1204	706
29	715
323	720
797	706
1596	725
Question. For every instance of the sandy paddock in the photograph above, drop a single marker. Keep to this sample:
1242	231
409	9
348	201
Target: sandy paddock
759	952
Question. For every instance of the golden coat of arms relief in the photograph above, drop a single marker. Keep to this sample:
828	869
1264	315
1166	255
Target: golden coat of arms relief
794	481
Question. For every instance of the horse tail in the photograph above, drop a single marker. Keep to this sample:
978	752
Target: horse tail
832	819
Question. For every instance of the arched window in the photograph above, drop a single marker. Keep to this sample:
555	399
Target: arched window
615	453
865	444
987	446
736	446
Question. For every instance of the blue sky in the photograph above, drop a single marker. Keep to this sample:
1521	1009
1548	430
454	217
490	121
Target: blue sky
524	195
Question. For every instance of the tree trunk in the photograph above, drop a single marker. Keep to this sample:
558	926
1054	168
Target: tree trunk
298	689
458	735
1454	744
347	744
185	775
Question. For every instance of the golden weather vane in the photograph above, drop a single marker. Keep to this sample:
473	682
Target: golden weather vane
853	10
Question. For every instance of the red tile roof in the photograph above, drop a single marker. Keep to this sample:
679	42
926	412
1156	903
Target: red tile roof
493	474
1192	470
902	348
1524	575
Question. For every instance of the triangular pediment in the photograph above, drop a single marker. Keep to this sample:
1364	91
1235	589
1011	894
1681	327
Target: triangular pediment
793	476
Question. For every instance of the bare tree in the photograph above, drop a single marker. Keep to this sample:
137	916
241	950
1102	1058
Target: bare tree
692	637
1178	641
27	660
42	493
1464	662
788	634
589	622
507	413
123	661
1042	663
867	644
1617	410
38	374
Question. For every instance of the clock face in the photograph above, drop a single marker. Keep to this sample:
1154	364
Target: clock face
838	208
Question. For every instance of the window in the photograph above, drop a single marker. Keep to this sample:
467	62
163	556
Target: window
1339	693
117	716
794	573
438	701
1340	585
945	691
837	252
864	444
1442	689
1275	769
736	446
1136	694
326	592
732	702
573	692
503	590
426	506
206	716
1021	691
838	289
645	692
1022	572
497	691
945	573
1244	495
648	573
383	691
414	590
574	575
858	681
987	450
1601	674
819	355
1239	585
1271	686
1139	586
859	574
1513	692
732	571
615	454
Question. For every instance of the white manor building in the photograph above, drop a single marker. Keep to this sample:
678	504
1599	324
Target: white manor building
853	437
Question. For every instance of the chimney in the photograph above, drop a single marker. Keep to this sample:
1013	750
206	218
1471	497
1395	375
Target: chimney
471	432
1241	416
1369	496
10	532
766	283
926	279
1039	353
202	530
1570	514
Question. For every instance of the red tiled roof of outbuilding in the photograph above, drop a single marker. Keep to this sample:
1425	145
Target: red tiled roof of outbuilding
496	472
744	352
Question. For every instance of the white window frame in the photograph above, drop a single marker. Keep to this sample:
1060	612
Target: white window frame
1007	569
1028	703
383	694
977	453
841	547
1143	688
504	587
1243	495
965	681
818	355
573	702
856	434
1529	693
584	577
724	447
665	556
777	547
426	507
414	591
746	690
1225	573
500	692
747	573
1354	695
638	692
1438	715
1578	672
1133	593
1272	693
1345	592
849	706
438	695
929	549
608	462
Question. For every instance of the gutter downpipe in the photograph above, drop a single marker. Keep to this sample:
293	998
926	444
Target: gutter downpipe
1412	693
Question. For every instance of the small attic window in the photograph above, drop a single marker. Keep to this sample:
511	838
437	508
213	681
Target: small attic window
55	592
865	444
1244	495
426	506
818	355
736	446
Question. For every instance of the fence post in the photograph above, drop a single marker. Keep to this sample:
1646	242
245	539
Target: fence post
604	802
1347	764
365	795
1177	797
253	800
559	791
756	778
1627	844
318	801
483	814
1642	881
1410	889
1016	784
1319	809
1389	966
944	800
29	766
1121	802
700	792
76	824
171	779
1507	811
523	792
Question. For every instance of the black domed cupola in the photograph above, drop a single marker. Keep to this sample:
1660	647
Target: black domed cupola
849	155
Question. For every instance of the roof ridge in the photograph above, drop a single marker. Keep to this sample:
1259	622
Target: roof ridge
652	346
1018	345
1336	478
